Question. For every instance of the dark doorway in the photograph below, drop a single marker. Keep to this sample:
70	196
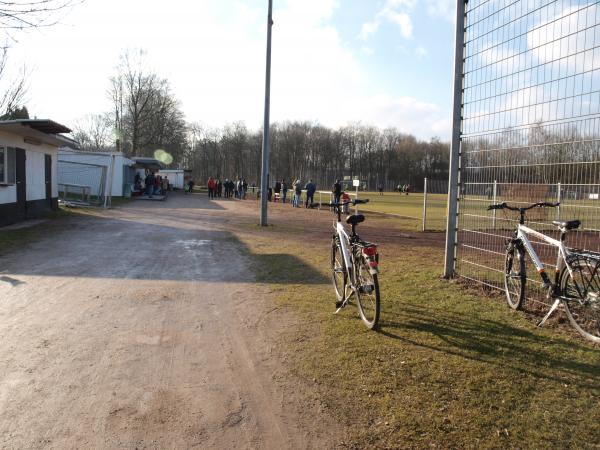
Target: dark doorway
21	181
48	167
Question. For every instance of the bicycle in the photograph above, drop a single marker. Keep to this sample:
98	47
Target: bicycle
576	282
354	266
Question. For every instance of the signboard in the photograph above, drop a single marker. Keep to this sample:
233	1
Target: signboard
356	183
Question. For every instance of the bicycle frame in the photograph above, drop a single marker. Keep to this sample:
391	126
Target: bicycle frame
562	257
345	243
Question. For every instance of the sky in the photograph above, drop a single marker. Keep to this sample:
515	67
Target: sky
386	63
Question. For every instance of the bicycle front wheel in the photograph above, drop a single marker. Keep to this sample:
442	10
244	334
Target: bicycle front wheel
582	290
367	294
514	275
339	274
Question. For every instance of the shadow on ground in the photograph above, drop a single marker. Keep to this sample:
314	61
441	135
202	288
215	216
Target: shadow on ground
493	342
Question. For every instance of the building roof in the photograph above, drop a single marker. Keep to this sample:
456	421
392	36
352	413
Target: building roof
148	163
38	131
44	125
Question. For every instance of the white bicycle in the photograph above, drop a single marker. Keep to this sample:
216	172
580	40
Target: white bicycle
354	266
576	282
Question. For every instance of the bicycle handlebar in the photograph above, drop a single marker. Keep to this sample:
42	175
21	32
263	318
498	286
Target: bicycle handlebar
503	205
331	205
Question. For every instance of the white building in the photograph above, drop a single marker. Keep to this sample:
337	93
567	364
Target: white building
93	169
177	178
28	167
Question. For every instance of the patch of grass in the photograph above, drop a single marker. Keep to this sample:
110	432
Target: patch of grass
448	369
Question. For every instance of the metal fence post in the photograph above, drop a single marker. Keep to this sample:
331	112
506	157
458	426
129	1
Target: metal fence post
425	205
558	200
494	196
454	169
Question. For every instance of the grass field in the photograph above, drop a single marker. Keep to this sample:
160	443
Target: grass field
409	206
450	368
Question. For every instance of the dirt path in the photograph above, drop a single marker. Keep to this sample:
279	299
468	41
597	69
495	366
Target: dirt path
143	329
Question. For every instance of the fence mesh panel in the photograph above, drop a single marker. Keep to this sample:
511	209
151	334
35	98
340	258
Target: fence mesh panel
73	175
530	128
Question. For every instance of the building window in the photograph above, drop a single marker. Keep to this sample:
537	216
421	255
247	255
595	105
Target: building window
7	165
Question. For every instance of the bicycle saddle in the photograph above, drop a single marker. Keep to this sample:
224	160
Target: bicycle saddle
355	219
570	225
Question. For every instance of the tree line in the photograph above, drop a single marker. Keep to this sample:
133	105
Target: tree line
304	150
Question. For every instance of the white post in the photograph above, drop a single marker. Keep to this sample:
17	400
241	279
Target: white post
425	205
356	206
494	194
109	182
558	200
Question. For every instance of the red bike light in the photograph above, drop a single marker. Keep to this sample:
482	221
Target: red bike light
371	250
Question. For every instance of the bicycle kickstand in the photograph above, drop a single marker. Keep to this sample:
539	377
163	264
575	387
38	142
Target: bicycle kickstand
547	316
345	302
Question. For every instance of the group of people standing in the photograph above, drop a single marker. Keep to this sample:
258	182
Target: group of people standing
153	184
280	189
228	188
403	188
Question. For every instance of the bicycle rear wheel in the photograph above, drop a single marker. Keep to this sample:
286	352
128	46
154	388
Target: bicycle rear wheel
339	274
514	275
367	294
583	291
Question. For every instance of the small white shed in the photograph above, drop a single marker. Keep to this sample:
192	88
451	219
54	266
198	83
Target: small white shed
28	167
177	178
92	169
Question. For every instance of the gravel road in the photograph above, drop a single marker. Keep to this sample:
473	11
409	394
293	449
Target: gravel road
143	329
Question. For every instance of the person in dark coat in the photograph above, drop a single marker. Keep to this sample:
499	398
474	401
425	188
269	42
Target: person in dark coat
311	188
337	191
149	184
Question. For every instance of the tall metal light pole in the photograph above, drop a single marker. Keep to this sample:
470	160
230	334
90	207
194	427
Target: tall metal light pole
264	181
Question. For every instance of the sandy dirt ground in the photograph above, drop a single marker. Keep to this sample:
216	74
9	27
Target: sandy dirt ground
143	329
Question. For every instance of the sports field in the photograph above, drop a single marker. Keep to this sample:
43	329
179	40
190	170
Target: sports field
409	206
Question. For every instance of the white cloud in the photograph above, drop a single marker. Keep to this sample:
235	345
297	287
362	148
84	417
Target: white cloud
403	21
408	114
214	57
367	50
445	9
394	11
368	29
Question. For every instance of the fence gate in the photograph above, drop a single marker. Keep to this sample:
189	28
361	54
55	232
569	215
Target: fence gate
526	128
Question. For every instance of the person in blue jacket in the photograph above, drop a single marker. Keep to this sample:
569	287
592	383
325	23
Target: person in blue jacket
311	188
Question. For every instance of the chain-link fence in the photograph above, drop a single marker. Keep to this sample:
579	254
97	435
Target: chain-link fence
530	127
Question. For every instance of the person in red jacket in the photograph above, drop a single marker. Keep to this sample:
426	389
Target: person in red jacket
212	185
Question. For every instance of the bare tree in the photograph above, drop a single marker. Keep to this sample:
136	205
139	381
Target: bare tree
94	132
20	14
147	115
14	90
